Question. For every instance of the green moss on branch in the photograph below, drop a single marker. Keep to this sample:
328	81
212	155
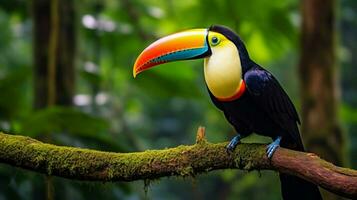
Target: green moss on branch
86	164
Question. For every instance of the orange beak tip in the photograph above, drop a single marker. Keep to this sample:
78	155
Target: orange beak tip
134	74
135	70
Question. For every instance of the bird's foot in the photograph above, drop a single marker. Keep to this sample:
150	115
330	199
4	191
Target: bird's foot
272	147
233	143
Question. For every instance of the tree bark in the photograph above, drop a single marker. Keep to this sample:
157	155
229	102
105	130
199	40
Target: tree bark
319	87
202	157
55	48
54	51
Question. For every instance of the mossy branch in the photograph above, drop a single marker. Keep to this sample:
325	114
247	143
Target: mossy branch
86	164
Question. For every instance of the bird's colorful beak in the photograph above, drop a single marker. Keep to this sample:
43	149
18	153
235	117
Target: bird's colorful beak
186	45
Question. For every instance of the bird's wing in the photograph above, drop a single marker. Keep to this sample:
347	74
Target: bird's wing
270	96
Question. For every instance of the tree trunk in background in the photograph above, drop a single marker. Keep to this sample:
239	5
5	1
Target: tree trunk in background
65	45
319	86
54	50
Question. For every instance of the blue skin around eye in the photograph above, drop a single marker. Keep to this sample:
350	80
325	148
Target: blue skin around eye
182	55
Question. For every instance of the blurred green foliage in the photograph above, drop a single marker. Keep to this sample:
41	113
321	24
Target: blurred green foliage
162	108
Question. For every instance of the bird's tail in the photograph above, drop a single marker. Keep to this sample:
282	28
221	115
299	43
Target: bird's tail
293	187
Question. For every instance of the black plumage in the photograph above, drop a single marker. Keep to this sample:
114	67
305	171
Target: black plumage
265	109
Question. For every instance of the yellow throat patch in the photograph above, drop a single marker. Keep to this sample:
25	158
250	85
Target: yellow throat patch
223	70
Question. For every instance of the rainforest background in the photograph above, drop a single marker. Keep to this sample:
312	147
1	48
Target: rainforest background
66	78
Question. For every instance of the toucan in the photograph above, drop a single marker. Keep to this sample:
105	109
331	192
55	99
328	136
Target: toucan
250	97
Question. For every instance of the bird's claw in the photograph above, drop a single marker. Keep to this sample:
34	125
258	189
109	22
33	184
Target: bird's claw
233	144
271	148
230	147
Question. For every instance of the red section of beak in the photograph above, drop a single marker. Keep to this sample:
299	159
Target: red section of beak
155	53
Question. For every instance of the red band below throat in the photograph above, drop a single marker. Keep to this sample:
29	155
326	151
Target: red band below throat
238	93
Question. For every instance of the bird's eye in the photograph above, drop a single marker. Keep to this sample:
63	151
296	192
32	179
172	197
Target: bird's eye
215	41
